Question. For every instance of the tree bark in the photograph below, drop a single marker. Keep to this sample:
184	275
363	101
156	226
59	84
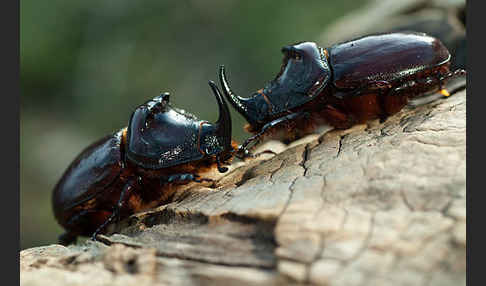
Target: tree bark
378	204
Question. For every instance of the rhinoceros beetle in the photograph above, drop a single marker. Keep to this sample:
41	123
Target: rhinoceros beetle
348	83
137	167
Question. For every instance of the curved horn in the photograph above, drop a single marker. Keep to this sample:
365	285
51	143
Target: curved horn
223	125
239	103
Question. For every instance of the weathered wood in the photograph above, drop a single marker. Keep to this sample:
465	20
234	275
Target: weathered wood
379	204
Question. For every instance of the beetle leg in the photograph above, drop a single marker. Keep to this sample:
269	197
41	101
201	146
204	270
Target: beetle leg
185	177
221	169
441	81
116	209
448	77
198	179
394	100
242	151
248	154
451	75
337	118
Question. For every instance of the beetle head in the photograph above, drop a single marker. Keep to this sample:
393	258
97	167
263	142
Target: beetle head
161	136
303	75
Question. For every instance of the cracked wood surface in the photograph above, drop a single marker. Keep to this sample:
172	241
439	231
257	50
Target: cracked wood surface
378	204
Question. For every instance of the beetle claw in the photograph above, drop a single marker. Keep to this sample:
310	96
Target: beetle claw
221	169
243	153
93	237
198	179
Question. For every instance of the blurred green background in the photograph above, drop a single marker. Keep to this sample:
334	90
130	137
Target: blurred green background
85	66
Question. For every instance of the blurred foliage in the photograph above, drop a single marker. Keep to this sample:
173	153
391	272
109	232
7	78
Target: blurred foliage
85	66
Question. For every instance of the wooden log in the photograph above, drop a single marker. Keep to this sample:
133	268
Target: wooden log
378	204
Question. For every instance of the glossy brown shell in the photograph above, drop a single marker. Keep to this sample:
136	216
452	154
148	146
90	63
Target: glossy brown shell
384	57
91	173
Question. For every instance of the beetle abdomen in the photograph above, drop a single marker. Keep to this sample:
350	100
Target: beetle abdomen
97	167
385	57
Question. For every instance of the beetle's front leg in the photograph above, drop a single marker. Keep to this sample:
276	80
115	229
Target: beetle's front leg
337	118
247	154
393	101
449	76
183	177
243	152
221	168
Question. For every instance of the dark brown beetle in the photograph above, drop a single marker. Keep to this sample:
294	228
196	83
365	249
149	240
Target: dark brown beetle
137	167
348	83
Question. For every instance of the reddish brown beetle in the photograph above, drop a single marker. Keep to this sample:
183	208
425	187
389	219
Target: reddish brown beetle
137	167
348	83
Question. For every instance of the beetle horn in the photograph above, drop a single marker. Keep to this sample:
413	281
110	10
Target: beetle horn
239	103
223	125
